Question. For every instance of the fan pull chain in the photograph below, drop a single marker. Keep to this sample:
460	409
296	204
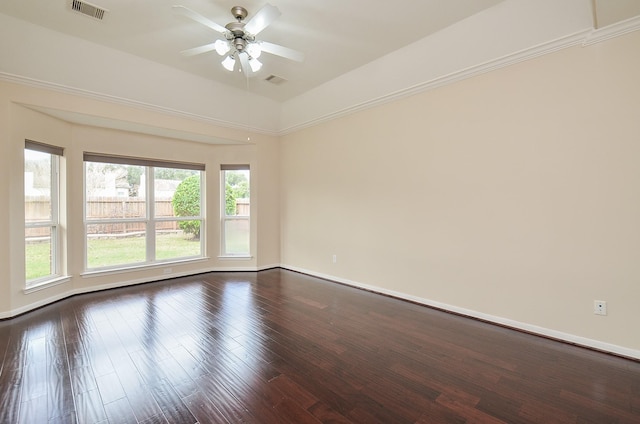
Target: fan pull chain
248	103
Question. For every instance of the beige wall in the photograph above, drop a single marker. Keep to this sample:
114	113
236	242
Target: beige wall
20	123
268	193
514	195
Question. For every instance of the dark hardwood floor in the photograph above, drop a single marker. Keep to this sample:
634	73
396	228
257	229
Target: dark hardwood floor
281	347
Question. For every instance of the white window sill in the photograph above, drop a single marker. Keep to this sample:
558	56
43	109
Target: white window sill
235	257
101	272
46	284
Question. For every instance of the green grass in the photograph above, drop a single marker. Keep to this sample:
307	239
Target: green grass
103	252
38	262
170	246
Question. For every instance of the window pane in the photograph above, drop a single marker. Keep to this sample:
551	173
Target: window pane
236	196
40	206
128	206
112	244
236	204
236	233
172	242
38	253
186	182
114	191
178	194
37	186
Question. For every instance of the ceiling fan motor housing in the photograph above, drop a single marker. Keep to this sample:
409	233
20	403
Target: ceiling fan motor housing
239	12
237	35
236	28
239	44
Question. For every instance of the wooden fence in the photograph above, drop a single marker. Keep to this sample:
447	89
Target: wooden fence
37	208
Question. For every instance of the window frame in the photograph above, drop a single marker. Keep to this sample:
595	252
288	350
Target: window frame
149	220
55	262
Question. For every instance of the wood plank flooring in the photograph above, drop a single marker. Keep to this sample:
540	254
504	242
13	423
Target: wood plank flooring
282	347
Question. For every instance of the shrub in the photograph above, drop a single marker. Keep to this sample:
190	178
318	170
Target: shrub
186	202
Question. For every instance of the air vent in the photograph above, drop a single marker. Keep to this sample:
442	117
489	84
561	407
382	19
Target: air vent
88	9
274	79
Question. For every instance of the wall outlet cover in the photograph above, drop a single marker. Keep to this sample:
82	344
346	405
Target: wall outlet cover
600	307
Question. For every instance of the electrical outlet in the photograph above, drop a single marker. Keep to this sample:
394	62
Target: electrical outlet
335	259
600	307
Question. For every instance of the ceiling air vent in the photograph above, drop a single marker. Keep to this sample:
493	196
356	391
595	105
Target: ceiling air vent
88	9
274	79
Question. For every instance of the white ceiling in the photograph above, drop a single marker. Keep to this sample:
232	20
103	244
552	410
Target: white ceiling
336	36
358	53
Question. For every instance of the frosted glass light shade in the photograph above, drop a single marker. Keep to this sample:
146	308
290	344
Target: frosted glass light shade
255	65
229	63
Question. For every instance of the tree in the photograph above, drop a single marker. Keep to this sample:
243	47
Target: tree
133	178
236	187
186	202
172	173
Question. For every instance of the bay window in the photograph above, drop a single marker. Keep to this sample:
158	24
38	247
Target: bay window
141	211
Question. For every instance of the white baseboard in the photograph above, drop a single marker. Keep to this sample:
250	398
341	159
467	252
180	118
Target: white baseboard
517	325
23	309
266	267
72	292
534	329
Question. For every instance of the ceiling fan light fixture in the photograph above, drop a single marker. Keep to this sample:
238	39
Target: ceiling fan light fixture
222	47
229	63
238	42
254	50
255	64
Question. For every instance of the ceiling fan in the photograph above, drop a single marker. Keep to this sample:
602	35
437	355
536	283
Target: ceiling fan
239	38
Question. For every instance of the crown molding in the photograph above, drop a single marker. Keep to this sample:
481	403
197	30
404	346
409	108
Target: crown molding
502	62
63	89
615	30
583	38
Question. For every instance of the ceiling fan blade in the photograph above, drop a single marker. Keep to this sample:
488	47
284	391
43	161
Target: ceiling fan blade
282	51
262	19
199	50
184	11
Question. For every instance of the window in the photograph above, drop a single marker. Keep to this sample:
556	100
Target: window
235	213
141	211
41	212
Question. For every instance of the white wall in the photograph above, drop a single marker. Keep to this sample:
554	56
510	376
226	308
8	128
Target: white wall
512	196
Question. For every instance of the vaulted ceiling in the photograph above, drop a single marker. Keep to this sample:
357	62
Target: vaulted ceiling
336	36
388	44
